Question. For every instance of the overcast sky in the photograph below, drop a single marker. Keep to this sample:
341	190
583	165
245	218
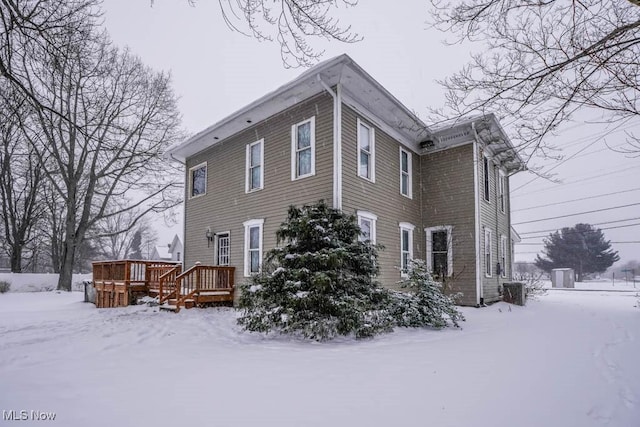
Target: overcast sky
216	72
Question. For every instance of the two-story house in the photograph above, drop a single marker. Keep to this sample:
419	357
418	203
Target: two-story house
334	133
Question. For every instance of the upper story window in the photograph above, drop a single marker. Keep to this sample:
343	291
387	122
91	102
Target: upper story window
488	255
366	151
485	169
255	169
198	180
367	223
440	251
406	247
303	149
502	187
405	173
252	246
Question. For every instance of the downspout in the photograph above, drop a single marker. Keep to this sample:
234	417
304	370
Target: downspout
476	198
337	141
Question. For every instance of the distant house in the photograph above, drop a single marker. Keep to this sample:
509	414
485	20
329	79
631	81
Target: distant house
440	194
171	252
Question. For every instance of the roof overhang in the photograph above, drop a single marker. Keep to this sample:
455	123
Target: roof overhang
486	130
357	84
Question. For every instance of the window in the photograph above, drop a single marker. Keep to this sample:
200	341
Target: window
503	256
255	169
405	174
222	248
502	185
366	151
303	149
485	163
253	246
198	180
487	253
367	223
439	250
406	247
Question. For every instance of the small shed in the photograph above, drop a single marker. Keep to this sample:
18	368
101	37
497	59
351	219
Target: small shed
563	278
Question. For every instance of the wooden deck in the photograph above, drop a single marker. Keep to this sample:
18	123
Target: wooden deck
120	283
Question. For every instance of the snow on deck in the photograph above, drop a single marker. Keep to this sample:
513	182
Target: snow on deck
567	359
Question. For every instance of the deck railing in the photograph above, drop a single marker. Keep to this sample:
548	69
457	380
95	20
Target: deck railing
116	282
167	284
205	283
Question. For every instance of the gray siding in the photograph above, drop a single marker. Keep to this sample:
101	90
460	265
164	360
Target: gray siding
381	197
226	205
499	222
448	199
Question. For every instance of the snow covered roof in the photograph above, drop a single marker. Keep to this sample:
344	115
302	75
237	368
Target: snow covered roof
359	90
161	253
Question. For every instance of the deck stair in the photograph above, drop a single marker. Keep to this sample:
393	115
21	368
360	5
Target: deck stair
174	289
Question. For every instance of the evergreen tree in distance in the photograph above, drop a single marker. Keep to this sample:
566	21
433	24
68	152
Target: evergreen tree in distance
581	247
319	283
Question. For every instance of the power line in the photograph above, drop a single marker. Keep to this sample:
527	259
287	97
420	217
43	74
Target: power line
579	181
575	214
575	200
604	228
542	243
595	140
595	223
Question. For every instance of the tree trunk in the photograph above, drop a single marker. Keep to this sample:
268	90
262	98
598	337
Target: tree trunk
66	268
16	259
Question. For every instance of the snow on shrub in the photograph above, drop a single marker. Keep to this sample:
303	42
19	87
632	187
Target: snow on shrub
321	284
4	286
425	304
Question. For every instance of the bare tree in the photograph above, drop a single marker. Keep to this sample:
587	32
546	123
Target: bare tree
544	60
114	235
20	210
291	23
101	125
39	25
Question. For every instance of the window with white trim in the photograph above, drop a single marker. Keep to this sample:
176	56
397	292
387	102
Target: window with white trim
254	166
502	186
485	169
488	256
405	173
252	246
303	149
406	247
366	151
367	223
503	256
440	250
198	180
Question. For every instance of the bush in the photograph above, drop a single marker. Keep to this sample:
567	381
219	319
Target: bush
425	304
534	287
319	284
4	286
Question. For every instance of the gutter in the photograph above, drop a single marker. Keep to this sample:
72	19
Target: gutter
337	141
476	198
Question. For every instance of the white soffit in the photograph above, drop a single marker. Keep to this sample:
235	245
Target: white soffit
359	85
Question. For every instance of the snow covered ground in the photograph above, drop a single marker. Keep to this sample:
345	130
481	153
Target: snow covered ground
567	359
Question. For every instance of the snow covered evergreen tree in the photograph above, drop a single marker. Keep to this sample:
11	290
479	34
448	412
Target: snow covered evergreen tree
320	283
425	304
